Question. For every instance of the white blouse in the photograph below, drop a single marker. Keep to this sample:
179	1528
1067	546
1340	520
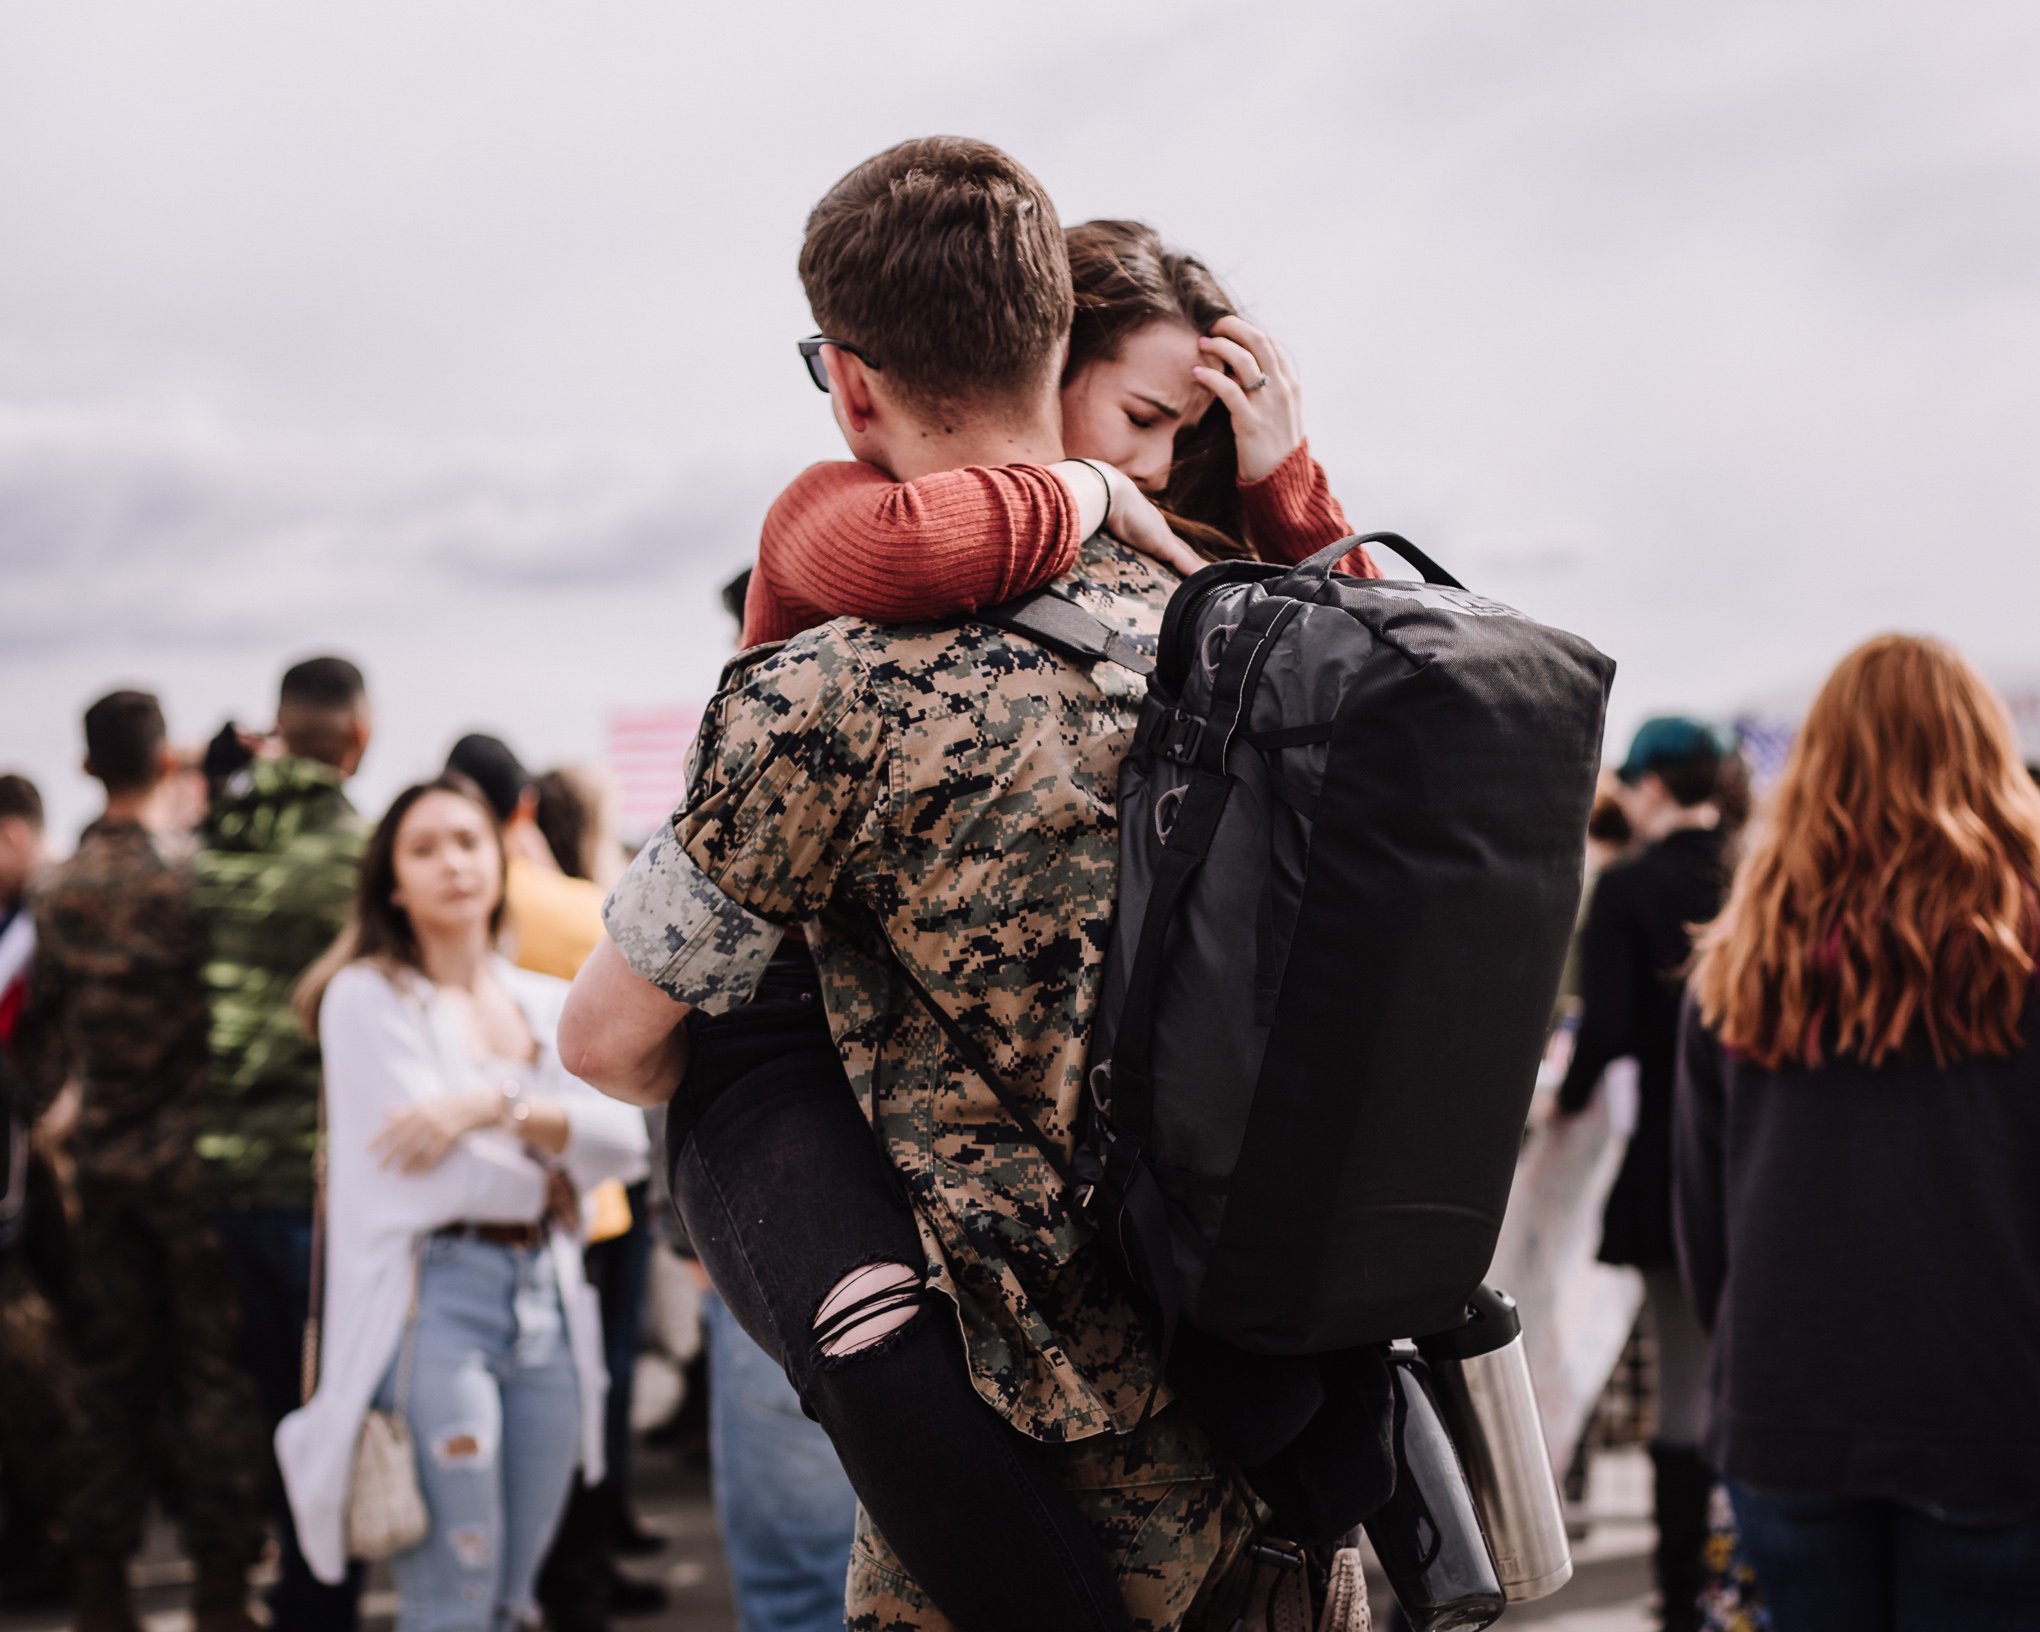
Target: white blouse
388	1043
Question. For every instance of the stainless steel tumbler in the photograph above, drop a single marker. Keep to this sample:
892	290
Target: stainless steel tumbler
1482	1380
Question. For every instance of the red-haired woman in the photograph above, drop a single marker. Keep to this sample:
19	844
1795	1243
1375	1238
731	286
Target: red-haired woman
1858	1162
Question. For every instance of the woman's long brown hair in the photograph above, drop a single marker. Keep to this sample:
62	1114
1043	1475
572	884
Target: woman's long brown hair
1127	278
1889	891
377	928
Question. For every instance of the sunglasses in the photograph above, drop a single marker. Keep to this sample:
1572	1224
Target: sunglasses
818	371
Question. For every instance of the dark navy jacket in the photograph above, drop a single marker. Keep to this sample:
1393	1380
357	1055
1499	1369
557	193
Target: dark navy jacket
1865	1246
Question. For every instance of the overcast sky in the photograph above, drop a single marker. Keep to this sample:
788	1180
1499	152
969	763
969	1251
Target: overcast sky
459	337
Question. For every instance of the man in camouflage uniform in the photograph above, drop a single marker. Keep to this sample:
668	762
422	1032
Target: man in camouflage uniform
117	1005
944	797
276	878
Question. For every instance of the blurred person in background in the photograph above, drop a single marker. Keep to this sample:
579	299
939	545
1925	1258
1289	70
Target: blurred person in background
1609	839
580	1586
280	860
577	817
35	1373
1633	952
555	917
458	1152
1858	1135
117	1007
1735	798
23	850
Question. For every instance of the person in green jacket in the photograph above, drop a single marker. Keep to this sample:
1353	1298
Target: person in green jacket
276	875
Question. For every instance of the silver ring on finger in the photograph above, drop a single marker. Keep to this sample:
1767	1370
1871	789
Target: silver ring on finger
1263	380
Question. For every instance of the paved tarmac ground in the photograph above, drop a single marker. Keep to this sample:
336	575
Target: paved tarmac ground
1607	1592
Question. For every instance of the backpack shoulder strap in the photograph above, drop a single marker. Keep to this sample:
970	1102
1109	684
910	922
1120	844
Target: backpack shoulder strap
1049	618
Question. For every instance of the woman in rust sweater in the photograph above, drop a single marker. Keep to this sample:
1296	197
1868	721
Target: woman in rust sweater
1169	398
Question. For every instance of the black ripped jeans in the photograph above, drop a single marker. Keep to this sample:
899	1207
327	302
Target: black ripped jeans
784	1190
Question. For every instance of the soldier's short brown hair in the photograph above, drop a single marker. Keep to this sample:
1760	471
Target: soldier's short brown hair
944	259
124	736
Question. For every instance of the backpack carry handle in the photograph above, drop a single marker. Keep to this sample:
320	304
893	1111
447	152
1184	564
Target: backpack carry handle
1320	566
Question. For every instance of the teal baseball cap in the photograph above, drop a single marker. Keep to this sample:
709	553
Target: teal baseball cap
1666	739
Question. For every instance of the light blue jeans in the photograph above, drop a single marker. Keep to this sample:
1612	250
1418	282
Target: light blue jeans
785	1509
495	1412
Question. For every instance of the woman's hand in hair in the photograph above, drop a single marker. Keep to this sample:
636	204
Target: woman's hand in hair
416	1140
1267	420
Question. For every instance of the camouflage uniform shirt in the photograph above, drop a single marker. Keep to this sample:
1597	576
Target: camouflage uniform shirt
277	875
117	1000
947	793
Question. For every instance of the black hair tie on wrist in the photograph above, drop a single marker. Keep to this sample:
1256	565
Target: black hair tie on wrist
1093	466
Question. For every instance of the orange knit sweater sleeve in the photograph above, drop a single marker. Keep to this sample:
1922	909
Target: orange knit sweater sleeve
846	540
1291	514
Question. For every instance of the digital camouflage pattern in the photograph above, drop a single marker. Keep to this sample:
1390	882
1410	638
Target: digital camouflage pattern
276	877
117	1005
116	1000
1173	1524
950	792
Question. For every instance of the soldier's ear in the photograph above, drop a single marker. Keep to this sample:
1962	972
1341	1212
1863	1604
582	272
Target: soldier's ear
850	385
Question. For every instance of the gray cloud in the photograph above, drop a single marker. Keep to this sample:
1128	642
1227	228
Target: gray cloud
153	528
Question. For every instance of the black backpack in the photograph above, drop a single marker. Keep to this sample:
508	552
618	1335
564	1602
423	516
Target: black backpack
1352	832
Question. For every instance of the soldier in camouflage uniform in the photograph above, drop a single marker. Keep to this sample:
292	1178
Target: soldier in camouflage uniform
276	876
944	798
948	795
117	1005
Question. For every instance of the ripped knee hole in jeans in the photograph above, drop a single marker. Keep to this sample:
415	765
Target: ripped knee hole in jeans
864	1308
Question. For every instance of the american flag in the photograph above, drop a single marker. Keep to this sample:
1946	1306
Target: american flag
1765	742
648	763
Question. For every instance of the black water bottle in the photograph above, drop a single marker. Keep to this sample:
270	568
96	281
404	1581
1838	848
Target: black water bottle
1427	1535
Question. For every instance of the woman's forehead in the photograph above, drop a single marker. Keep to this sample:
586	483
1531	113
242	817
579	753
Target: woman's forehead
440	811
1155	362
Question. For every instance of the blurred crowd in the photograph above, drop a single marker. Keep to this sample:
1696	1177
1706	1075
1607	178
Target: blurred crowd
1825	1182
162	1244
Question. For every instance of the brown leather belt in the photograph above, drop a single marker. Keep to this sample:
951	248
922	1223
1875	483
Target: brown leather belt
521	1236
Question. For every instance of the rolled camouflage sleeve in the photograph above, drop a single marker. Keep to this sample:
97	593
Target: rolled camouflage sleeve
785	793
676	929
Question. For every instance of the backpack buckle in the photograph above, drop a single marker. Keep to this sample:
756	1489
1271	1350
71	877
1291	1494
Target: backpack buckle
1182	737
1171	733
